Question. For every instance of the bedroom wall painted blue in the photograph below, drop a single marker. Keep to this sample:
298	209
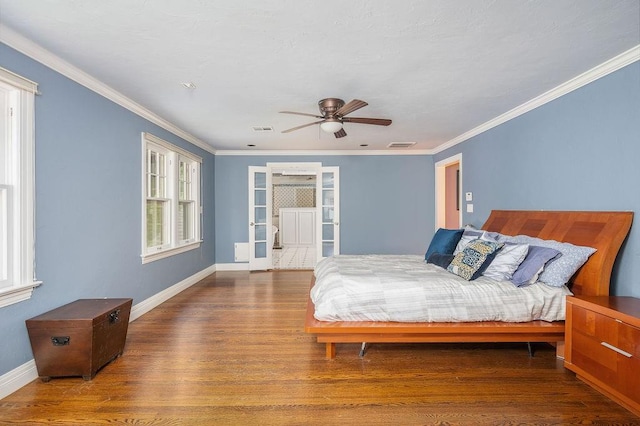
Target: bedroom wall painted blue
578	152
88	189
386	202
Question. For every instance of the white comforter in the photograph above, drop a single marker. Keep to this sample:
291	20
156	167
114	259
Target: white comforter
406	289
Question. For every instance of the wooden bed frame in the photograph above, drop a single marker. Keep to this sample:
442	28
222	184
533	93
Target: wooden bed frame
605	231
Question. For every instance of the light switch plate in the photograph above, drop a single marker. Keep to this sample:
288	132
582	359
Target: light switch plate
469	208
468	196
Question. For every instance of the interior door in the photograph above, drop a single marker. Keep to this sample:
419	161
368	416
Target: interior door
260	235
328	200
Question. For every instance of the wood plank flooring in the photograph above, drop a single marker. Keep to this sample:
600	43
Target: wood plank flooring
231	350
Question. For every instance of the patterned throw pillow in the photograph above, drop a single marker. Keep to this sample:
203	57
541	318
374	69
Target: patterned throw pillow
476	256
470	262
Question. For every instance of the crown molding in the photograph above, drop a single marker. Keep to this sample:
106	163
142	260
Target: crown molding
626	58
36	52
319	152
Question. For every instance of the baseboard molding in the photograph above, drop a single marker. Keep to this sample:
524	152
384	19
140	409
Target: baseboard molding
148	304
17	378
27	372
232	266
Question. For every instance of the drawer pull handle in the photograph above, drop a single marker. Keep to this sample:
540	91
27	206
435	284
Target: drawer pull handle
613	348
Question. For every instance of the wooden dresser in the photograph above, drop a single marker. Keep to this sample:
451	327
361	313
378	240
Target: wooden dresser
603	345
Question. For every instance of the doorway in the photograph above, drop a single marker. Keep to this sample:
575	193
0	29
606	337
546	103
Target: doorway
294	219
311	232
448	182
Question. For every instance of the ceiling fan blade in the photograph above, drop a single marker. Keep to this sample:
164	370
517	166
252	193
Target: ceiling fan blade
350	107
300	113
340	134
362	120
301	127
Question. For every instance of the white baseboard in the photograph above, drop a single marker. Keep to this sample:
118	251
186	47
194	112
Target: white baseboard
232	267
27	372
148	304
17	378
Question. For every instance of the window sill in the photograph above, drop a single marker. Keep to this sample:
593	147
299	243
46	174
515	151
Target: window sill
11	295
152	257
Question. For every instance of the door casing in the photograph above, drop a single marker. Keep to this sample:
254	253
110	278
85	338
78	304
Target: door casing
440	191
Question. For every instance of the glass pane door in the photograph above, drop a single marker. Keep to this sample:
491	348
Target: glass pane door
259	218
328	195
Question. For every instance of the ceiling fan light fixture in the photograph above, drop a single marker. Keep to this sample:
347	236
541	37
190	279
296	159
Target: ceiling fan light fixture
331	125
332	115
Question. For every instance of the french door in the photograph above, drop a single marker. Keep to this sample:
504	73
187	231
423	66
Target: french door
260	235
260	215
328	203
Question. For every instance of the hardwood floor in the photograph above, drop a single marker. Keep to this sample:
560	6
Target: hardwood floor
232	350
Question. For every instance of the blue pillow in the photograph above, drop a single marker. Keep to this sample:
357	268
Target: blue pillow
444	241
560	271
536	259
441	260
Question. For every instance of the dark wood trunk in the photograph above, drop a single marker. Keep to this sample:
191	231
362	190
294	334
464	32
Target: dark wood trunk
79	338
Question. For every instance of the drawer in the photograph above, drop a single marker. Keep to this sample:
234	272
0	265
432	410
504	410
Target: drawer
603	345
629	366
594	324
589	354
590	329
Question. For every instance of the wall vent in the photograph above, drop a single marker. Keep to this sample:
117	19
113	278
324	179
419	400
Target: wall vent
262	128
401	144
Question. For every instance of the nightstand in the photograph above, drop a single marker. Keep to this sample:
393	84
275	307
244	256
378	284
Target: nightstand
602	341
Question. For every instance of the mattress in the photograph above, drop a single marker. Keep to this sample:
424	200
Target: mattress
403	288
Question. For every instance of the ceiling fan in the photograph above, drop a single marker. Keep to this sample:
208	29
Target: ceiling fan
333	112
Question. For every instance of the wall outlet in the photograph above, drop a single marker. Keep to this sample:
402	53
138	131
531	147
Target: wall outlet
469	208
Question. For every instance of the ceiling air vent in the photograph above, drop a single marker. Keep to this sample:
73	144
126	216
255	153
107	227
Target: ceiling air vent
401	144
262	128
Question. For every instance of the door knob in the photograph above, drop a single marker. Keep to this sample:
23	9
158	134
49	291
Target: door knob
251	224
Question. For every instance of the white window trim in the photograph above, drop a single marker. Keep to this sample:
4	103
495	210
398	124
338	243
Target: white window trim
22	203
174	247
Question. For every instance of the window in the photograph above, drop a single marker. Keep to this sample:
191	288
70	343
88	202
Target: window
171	200
17	271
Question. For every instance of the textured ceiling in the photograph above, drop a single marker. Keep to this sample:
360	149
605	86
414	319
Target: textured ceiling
437	68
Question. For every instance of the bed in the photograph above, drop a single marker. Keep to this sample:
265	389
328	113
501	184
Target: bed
604	231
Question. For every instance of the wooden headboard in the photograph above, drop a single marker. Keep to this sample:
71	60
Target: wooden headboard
604	231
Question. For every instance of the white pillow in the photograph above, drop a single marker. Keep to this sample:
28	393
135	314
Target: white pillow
507	260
